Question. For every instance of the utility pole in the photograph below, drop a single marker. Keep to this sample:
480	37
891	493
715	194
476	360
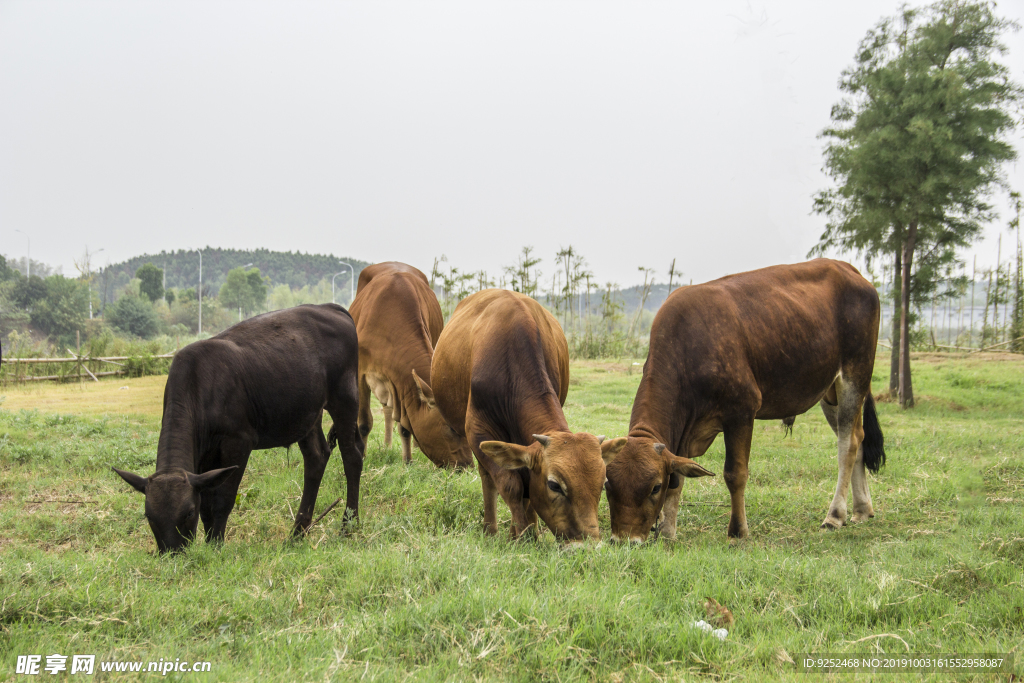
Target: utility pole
200	291
352	283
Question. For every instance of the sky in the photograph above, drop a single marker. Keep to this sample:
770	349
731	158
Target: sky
635	132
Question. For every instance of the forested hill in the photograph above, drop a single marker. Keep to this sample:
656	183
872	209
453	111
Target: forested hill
182	268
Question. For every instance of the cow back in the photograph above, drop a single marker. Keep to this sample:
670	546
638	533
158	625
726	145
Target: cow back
502	354
369	272
269	376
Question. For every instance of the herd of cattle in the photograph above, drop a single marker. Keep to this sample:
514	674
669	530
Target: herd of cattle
767	344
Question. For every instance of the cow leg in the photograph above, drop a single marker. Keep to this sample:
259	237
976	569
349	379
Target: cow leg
215	506
850	433
315	455
510	485
365	413
862	507
524	517
737	455
490	493
389	425
670	511
352	448
406	436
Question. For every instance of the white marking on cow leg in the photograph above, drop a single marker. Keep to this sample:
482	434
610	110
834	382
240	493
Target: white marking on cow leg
847	447
670	512
862	508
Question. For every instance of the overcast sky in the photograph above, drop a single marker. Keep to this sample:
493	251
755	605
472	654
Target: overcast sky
636	132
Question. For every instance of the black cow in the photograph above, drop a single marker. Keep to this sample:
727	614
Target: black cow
263	383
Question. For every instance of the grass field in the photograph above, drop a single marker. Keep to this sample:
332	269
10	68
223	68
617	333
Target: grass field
417	592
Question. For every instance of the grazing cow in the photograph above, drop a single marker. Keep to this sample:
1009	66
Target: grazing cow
263	383
398	321
765	345
500	374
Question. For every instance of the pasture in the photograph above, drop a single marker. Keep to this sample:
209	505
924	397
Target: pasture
415	591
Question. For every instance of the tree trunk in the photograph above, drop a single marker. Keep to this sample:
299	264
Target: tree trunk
906	388
894	355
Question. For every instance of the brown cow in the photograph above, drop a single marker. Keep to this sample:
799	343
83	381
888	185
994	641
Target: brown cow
764	345
501	374
398	321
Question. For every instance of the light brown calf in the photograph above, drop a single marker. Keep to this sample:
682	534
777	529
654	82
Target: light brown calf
501	374
398	321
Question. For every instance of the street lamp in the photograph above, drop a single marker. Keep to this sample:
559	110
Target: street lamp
352	283
28	258
200	292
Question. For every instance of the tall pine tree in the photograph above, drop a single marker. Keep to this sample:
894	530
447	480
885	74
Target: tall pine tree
919	143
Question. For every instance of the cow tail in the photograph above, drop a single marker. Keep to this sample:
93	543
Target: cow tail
332	439
874	443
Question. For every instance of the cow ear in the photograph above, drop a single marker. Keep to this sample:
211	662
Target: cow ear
138	483
685	467
425	392
509	456
609	449
211	479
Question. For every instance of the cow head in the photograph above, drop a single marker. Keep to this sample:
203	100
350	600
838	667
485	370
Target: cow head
567	472
172	502
438	441
638	482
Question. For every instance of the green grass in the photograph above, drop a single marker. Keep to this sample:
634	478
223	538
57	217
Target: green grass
418	592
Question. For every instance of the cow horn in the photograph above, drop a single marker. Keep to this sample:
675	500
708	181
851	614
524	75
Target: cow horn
601	439
658	448
544	441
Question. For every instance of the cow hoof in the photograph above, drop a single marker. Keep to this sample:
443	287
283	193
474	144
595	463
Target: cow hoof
832	525
738	533
862	515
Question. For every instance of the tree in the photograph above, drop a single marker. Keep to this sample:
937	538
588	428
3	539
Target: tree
1017	317
63	310
522	277
257	291
6	272
133	315
151	281
919	144
28	291
243	289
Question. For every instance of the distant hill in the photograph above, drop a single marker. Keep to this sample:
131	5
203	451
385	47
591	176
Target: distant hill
181	268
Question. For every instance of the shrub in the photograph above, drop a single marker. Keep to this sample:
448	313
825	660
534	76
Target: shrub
133	315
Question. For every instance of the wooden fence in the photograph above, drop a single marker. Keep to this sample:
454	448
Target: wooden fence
74	368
